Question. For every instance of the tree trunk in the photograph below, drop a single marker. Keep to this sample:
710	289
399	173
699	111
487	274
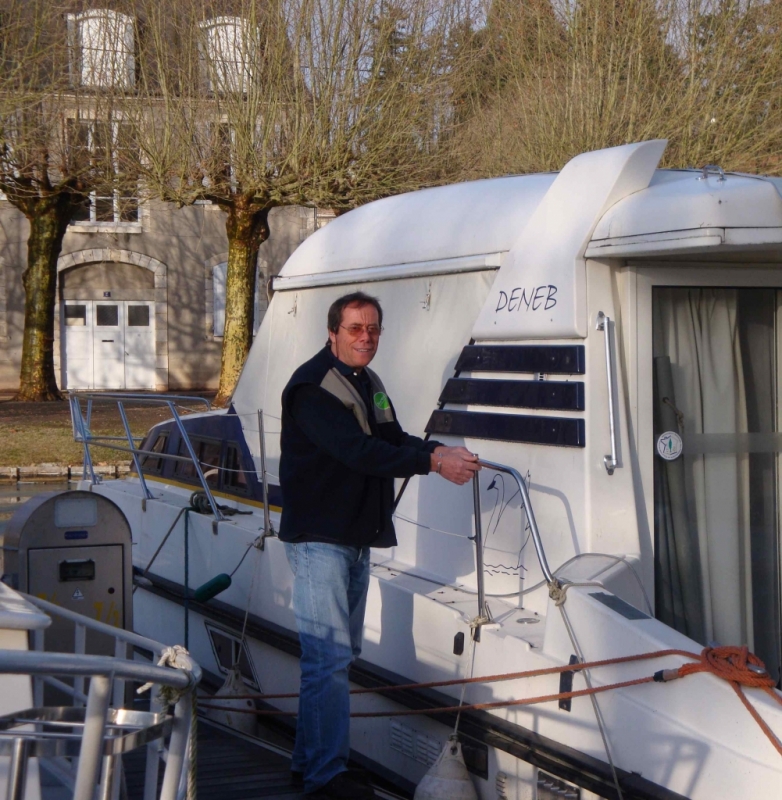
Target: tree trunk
48	219
247	228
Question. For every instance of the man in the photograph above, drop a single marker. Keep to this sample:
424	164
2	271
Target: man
341	448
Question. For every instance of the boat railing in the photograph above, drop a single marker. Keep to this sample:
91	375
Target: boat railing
81	419
483	612
82	744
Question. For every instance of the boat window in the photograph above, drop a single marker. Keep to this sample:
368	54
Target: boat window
234	477
208	454
230	653
716	470
150	464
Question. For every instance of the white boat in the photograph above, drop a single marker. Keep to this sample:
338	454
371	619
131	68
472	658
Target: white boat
611	334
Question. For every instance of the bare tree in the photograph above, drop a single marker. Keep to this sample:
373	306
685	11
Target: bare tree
264	103
46	167
705	74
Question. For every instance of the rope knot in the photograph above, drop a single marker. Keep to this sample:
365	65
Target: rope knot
557	592
178	658
731	663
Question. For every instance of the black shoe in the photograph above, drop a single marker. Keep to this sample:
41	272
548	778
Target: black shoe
343	787
297	779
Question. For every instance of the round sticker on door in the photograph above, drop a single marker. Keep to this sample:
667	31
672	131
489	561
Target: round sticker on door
669	445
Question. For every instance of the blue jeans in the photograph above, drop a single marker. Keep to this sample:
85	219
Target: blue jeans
329	599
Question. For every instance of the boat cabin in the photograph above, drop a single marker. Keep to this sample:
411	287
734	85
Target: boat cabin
612	331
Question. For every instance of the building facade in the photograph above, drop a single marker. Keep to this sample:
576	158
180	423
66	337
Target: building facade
139	304
140	283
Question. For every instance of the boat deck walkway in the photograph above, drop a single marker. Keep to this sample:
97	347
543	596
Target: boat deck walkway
228	767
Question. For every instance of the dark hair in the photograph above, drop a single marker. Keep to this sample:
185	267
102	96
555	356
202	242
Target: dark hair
354	298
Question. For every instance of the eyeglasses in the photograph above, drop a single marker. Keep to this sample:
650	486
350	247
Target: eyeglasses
356	330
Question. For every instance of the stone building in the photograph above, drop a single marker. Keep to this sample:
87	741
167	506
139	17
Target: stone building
141	284
139	304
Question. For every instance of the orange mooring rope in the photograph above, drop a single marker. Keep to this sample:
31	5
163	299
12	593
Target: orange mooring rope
735	665
731	663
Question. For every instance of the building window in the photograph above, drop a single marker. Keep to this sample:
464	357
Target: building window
103	147
218	283
102	44
228	52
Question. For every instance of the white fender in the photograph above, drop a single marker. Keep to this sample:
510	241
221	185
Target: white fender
245	723
447	778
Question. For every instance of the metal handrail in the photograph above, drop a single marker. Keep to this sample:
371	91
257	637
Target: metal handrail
533	525
129	637
104	734
604	324
82	433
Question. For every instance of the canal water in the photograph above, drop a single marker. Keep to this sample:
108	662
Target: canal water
12	495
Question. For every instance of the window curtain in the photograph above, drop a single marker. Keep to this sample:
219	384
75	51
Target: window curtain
702	501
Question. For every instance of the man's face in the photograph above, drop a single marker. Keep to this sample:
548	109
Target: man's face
352	346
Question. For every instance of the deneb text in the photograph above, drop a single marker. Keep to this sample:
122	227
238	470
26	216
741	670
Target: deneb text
538	298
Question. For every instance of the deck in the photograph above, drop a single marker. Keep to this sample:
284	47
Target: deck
228	768
231	767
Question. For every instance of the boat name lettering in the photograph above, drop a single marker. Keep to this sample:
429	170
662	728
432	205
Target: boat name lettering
534	299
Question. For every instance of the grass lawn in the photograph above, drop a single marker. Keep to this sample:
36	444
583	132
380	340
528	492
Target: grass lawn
40	433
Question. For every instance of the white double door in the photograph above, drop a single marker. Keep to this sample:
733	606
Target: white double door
109	344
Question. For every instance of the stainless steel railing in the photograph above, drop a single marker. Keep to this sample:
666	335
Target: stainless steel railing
81	420
483	614
91	729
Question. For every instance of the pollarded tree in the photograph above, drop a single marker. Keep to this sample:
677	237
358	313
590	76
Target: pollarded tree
258	104
46	169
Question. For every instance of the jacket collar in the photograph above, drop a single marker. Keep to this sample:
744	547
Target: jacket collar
340	366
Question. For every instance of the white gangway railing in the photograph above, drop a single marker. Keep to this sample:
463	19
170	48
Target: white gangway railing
82	744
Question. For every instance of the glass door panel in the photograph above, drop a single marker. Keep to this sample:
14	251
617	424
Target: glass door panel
717	565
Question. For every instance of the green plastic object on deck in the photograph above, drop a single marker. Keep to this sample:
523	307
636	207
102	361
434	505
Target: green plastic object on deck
212	588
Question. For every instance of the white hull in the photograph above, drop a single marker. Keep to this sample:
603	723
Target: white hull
691	736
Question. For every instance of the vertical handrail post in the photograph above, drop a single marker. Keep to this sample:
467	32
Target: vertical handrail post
188	444
177	747
154	748
38	644
478	538
78	420
132	445
17	769
91	753
604	324
267	524
120	652
79	648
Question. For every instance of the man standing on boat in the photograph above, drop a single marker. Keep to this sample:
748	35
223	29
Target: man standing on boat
341	448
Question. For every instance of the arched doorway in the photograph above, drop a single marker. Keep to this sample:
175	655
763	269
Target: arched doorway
107	329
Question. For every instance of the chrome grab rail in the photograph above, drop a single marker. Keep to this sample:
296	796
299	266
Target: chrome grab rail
604	324
105	732
483	611
82	433
483	615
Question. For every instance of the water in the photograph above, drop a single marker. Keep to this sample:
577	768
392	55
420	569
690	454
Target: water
12	495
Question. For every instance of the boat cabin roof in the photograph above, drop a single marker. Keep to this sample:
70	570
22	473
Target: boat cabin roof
469	225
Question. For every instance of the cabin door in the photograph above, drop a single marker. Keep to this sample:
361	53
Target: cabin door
716	365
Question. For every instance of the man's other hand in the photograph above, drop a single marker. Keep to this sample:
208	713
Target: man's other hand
455	464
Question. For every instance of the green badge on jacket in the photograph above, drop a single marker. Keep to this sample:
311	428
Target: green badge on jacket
381	401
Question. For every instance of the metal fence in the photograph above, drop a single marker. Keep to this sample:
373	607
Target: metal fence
82	744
